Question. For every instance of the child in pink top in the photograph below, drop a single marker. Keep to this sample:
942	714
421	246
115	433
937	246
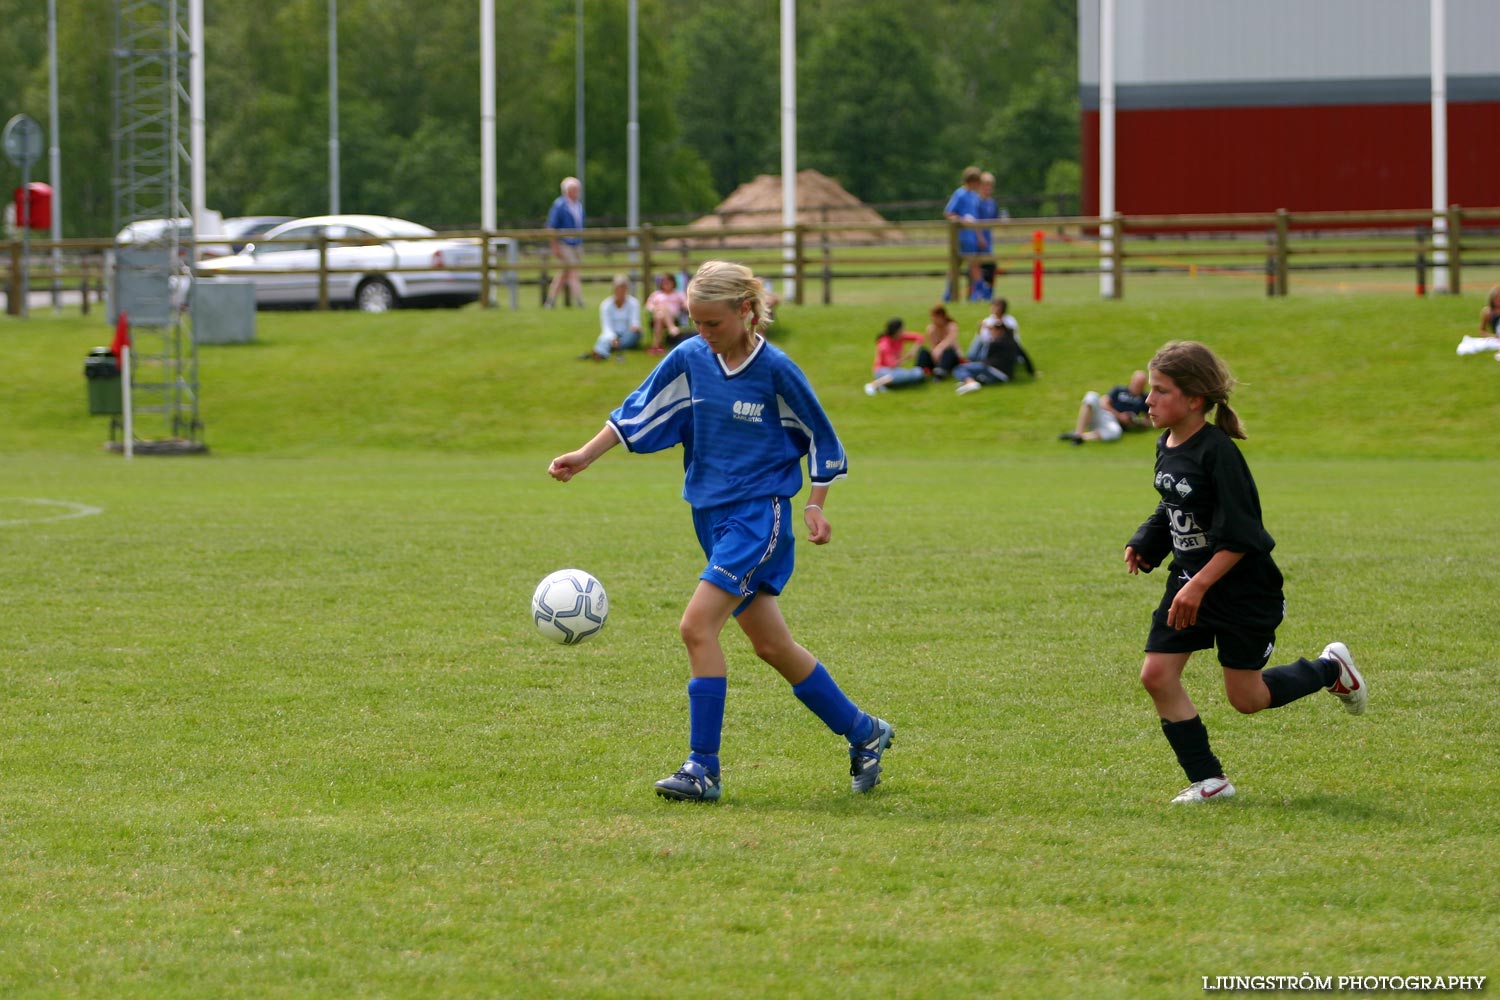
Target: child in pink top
895	349
665	305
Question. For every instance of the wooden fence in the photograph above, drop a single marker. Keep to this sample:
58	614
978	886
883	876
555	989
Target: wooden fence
1268	246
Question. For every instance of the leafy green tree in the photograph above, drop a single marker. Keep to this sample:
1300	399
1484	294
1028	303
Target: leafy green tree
730	103
84	83
895	96
673	177
872	113
1036	129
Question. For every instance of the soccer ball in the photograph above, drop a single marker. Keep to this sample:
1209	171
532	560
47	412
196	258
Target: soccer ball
569	606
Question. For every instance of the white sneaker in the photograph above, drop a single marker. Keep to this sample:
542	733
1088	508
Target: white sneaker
1207	790
871	388
967	387
1350	687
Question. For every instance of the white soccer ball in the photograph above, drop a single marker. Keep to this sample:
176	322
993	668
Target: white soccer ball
569	606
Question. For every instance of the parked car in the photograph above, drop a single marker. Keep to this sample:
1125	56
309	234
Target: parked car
148	231
375	263
241	230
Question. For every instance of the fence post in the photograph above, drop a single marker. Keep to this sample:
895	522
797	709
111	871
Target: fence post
953	262
1283	232
323	271
1455	248
1117	255
799	264
1421	268
648	276
827	262
485	262
13	281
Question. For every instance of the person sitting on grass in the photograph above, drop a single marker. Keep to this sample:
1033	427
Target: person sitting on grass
1107	417
1489	316
619	322
994	353
939	355
895	353
666	306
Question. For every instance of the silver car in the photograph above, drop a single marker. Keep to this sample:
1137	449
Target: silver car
375	263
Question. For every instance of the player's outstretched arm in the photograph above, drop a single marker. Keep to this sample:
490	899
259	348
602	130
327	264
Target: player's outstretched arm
565	467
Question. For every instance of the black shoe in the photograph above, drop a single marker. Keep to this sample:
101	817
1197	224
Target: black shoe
864	758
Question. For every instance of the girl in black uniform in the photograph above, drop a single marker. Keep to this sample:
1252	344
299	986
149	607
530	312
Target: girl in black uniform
1224	588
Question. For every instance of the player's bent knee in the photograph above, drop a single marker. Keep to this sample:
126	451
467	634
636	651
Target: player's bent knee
695	632
1154	678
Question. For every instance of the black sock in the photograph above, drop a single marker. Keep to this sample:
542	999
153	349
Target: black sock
1189	740
1298	680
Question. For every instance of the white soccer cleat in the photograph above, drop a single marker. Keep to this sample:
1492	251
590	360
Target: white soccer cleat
1350	687
1207	790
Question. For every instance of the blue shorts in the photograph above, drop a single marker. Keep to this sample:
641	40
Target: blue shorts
748	545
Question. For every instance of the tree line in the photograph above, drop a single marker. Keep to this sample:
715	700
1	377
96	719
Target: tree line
895	97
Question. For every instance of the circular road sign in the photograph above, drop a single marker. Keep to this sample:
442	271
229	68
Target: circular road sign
23	141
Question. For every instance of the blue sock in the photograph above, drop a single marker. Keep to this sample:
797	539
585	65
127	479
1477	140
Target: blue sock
820	693
706	720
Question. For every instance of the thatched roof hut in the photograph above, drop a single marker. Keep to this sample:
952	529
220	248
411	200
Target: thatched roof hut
821	200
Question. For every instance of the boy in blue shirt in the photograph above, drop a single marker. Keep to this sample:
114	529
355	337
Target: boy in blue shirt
745	416
964	205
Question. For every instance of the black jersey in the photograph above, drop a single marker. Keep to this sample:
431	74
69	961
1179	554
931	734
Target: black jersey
1125	401
1209	502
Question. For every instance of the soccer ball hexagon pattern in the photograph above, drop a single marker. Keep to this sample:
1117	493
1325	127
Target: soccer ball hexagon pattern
569	606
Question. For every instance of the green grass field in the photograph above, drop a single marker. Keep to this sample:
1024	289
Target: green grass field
275	722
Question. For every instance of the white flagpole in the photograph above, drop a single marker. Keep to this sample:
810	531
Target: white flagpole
1106	147
788	148
487	116
1439	18
197	128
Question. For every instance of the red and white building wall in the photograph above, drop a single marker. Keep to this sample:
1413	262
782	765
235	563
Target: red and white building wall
1307	105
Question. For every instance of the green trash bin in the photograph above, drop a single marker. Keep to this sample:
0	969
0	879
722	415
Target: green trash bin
102	372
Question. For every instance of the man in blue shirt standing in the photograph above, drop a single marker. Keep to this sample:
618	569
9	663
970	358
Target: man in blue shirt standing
567	214
963	206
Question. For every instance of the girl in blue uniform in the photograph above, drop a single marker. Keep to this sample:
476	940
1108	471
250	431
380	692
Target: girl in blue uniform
746	418
1224	589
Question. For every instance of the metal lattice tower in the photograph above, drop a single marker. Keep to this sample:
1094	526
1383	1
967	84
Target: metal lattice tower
152	108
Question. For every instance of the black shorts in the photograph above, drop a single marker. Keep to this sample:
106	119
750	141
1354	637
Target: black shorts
1240	648
1243	644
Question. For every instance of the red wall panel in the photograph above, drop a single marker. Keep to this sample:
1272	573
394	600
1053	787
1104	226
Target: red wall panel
1324	158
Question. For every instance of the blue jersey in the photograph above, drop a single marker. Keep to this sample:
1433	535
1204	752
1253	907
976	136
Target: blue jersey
965	204
743	432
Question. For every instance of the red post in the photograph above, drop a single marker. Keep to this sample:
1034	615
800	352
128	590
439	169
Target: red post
1038	240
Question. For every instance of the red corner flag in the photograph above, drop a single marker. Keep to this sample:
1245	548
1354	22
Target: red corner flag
122	335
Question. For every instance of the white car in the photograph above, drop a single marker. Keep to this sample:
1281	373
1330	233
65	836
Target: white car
375	263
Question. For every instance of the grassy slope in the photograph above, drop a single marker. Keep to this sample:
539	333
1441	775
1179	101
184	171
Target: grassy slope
275	723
